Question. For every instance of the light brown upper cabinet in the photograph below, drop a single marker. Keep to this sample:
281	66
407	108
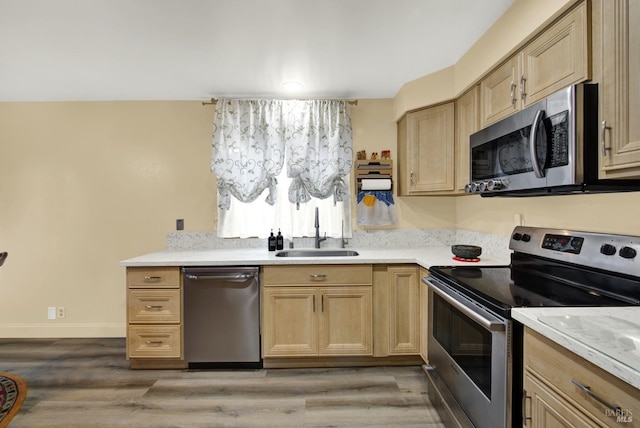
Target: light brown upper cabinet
616	48
556	58
426	140
467	122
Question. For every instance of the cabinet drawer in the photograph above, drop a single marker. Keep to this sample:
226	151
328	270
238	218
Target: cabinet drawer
558	368
153	306
154	341
317	275
153	277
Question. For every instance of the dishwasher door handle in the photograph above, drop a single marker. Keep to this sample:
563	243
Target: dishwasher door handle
224	276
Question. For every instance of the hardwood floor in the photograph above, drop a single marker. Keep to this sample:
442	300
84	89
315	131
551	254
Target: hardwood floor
88	383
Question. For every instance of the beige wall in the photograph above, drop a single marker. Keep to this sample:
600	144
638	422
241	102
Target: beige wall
608	213
85	185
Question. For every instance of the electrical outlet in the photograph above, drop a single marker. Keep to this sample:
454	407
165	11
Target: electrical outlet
51	312
61	312
180	224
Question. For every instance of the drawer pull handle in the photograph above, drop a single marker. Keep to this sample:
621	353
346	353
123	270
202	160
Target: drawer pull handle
153	307
148	278
587	390
154	342
318	277
525	418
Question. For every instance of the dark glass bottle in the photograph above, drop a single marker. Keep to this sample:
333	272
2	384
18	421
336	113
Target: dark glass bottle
279	241
272	242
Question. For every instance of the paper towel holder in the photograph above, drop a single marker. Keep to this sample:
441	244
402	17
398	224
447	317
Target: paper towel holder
373	169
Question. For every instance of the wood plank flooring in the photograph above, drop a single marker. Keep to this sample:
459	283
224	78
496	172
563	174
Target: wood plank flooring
88	383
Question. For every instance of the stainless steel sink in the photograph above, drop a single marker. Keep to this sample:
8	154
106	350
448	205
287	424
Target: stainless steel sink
317	253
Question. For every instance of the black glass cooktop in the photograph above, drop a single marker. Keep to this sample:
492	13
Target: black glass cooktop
528	282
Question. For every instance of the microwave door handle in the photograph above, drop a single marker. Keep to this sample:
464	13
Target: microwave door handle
534	141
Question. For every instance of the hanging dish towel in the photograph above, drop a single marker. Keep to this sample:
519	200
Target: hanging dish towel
376	208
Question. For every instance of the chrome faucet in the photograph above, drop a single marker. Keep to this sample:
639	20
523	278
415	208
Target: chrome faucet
318	238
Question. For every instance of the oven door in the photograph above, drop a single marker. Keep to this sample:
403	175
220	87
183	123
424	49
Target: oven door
469	356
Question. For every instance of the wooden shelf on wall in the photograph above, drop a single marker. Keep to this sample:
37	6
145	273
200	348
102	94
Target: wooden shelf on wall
373	169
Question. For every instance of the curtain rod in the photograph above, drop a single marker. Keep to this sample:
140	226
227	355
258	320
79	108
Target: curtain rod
213	101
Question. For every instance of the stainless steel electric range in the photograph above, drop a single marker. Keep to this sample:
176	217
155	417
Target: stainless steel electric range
475	347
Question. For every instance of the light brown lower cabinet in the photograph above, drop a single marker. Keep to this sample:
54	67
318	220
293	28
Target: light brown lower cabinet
323	321
561	389
154	317
317	310
404	310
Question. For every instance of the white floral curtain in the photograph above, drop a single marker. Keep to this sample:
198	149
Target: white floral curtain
251	137
319	150
248	149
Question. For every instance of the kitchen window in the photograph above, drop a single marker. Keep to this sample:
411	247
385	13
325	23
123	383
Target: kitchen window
257	218
297	153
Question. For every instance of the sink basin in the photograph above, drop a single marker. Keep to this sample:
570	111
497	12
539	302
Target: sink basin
317	253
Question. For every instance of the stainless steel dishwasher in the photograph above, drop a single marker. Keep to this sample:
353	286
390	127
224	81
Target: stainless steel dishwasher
222	317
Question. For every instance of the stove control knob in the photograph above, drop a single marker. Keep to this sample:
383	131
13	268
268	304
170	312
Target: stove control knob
482	187
495	185
516	236
526	237
627	252
608	249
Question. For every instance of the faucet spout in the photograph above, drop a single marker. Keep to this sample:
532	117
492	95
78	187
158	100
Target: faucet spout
318	239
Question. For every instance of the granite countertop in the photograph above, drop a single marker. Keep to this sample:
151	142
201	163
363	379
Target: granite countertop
607	337
424	256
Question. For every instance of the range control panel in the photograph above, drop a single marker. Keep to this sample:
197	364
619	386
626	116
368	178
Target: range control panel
563	243
617	253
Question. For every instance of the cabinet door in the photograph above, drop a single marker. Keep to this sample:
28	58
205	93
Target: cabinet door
499	92
558	58
430	150
290	322
468	122
345	325
617	45
547	409
404	310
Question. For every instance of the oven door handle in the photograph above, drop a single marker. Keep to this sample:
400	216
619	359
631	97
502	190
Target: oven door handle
486	323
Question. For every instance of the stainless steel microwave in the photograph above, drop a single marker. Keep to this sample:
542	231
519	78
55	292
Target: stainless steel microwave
549	147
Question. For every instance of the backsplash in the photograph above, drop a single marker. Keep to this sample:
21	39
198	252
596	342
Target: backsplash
492	245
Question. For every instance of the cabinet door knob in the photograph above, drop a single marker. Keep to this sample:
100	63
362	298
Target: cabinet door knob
318	277
152	278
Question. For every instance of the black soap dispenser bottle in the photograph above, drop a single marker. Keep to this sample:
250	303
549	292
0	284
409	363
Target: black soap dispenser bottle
272	242
279	240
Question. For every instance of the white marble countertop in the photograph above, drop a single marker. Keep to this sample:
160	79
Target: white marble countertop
424	256
607	337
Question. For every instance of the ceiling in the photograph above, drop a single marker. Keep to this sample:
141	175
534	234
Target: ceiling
66	50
